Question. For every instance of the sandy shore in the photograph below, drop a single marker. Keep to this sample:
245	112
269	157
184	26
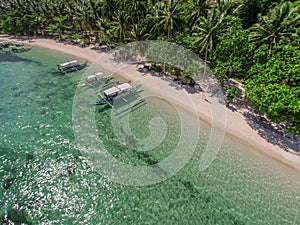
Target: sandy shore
236	123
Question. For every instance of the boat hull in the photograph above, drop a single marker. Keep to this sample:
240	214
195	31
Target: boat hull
71	69
101	102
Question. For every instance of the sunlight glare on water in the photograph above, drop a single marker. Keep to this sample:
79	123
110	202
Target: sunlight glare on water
45	179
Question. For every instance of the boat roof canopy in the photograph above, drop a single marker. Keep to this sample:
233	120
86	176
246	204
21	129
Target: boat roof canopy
117	89
68	63
124	86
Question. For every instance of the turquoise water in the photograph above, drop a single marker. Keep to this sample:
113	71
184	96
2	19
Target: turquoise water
46	180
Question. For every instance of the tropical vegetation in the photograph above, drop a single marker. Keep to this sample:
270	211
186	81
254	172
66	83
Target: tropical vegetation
253	41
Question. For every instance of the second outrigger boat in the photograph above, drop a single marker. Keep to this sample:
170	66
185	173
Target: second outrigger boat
70	66
121	97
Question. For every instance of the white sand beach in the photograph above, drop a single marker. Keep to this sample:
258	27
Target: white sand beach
236	123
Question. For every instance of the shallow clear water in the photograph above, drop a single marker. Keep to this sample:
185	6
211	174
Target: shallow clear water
44	174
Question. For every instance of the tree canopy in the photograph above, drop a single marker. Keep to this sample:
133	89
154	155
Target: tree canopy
273	86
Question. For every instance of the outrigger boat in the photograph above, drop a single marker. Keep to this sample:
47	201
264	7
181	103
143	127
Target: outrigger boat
4	44
10	47
7	44
70	66
92	79
120	97
15	49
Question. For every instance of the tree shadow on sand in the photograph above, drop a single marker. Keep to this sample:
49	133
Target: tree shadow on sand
271	132
173	81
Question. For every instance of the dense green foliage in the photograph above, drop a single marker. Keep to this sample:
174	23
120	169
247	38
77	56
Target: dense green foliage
274	85
231	92
254	41
233	55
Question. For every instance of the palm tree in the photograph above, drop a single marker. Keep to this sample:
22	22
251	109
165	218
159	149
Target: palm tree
82	16
207	28
167	18
138	32
136	9
104	35
108	8
199	8
280	21
119	25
